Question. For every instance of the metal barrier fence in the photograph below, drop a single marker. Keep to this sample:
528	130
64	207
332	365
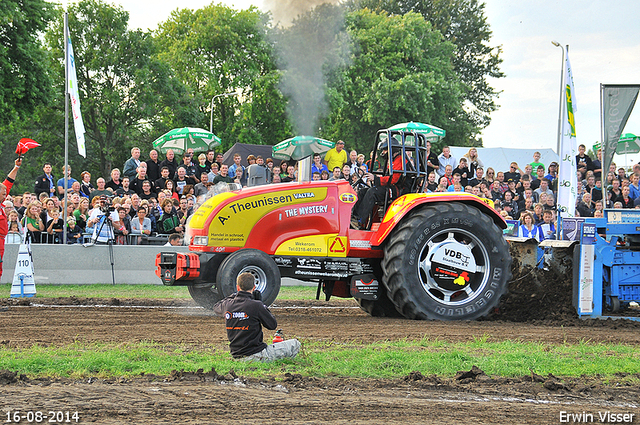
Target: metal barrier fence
130	239
86	264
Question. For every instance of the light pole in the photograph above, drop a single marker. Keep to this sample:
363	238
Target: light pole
561	111
212	99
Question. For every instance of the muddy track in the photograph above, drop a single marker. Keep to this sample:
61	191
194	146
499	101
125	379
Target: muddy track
206	397
537	308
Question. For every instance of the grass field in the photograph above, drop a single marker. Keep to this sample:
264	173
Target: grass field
377	360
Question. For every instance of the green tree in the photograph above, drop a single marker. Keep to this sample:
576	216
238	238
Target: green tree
123	88
24	75
401	70
463	23
217	50
45	125
263	119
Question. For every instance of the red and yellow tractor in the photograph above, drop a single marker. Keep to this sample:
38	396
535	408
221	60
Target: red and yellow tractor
420	255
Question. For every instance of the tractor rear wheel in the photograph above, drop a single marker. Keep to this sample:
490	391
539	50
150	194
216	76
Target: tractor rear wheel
259	264
446	262
205	295
382	307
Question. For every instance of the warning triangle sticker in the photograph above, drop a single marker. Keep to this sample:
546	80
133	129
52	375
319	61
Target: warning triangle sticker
337	246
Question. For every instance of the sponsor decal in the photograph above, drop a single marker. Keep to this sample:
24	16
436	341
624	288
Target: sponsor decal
462	279
283	261
241	206
315	246
336	265
348	198
304	195
309	263
365	287
240	315
449	278
233	223
338	268
454	254
313	209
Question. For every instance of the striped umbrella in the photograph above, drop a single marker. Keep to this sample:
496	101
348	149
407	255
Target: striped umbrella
300	147
181	139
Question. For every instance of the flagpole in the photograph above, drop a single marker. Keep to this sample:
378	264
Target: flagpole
66	125
565	57
560	112
603	174
560	127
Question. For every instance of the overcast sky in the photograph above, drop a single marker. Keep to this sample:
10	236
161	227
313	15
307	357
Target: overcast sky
604	47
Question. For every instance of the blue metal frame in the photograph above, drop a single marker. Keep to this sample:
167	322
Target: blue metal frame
616	267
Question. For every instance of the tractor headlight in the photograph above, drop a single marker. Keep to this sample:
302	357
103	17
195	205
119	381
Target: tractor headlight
201	240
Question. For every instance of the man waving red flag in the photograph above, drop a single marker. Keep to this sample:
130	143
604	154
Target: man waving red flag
5	187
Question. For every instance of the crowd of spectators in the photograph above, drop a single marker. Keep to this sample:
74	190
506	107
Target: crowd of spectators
156	197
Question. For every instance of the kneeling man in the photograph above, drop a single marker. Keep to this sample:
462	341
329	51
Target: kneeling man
245	314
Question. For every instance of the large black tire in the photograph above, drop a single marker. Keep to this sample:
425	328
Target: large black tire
256	262
446	262
205	296
382	307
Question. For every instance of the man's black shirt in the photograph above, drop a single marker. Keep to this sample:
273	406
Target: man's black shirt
136	185
113	185
584	162
244	318
153	170
433	158
515	176
122	192
160	184
171	165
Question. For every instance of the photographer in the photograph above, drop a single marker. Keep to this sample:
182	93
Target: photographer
103	232
245	314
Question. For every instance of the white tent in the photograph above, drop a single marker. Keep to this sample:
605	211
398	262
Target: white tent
500	158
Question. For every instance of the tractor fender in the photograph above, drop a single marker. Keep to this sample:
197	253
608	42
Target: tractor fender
406	203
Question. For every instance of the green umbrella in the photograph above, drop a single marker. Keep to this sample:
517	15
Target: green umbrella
432	132
181	139
300	147
628	143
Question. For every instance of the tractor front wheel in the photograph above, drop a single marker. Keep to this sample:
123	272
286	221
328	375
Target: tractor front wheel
264	270
446	262
205	295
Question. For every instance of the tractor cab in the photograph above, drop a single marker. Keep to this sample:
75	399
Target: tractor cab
401	172
413	147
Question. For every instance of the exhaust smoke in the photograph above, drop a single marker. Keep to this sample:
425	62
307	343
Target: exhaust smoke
311	43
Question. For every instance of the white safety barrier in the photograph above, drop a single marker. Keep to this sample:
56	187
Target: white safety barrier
76	264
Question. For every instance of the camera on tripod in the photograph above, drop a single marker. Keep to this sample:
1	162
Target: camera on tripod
107	209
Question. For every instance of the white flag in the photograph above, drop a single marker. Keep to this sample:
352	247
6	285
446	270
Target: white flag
567	178
75	101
